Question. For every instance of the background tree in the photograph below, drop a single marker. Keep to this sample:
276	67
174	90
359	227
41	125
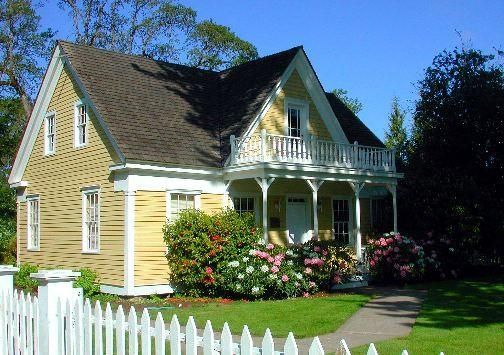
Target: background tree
455	174
396	137
353	104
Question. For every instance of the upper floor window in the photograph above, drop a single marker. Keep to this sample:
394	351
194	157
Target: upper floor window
81	125
91	221
244	205
294	121
180	202
296	113
33	222
50	133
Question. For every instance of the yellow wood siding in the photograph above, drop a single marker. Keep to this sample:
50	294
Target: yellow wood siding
151	267
211	203
58	180
274	119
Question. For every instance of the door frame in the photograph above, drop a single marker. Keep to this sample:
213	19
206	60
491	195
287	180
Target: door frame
309	231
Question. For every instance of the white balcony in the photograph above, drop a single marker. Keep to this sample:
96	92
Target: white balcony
267	147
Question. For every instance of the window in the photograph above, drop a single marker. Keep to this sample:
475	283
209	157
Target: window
180	202
91	221
81	121
50	133
244	205
341	221
294	121
378	212
33	223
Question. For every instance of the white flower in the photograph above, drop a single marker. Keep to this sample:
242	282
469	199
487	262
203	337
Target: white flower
255	289
289	252
262	242
241	276
273	276
299	276
235	263
245	259
290	262
252	252
264	268
238	287
250	269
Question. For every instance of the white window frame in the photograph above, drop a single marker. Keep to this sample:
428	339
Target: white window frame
29	200
77	136
304	109
86	191
48	151
257	202
195	193
351	206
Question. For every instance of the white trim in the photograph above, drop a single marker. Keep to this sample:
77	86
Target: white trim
253	195
137	290
19	184
304	108
85	192
129	241
195	193
29	246
166	168
47	152
41	104
77	105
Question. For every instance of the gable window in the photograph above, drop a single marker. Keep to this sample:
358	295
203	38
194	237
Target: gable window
81	125
33	222
50	133
294	121
180	202
91	220
244	205
341	220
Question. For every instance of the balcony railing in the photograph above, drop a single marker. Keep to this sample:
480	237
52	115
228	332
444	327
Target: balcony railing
266	147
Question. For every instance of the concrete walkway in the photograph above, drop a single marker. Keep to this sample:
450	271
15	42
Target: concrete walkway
391	314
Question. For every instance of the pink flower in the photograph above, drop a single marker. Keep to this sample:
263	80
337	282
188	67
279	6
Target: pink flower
397	266
311	284
308	271
285	278
275	269
337	279
371	241
270	246
306	295
372	263
271	259
390	240
324	252
208	270
316	249
378	252
376	259
277	263
403	274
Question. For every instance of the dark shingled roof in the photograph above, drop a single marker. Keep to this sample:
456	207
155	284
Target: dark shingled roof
170	113
354	128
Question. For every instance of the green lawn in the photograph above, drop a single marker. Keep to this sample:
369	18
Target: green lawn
305	317
458	317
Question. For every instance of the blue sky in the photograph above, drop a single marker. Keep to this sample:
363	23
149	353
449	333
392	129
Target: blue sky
374	49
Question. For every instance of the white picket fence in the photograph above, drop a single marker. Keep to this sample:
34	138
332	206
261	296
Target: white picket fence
81	328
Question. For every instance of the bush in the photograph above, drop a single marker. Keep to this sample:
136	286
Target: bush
198	243
394	257
89	281
443	258
8	243
22	279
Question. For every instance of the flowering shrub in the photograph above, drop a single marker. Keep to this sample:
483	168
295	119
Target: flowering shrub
443	258
198	243
395	257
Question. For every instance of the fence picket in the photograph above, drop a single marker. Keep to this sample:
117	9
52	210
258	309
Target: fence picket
268	346
60	316
98	329
191	337
175	336
146	333
120	331
15	323
3	323
22	323
316	347
404	352
246	343
29	325
132	332
290	347
36	326
69	336
10	336
208	339
343	348
109	331
79	331
372	350
88	330
226	341
160	335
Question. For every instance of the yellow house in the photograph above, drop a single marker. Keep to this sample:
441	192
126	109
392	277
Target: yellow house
119	144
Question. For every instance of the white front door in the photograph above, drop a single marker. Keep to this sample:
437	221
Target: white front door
298	224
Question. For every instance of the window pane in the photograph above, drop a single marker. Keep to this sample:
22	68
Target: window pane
92	222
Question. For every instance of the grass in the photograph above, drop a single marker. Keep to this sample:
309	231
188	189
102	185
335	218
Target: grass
457	317
305	317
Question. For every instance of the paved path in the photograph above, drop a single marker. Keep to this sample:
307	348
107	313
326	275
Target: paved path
389	315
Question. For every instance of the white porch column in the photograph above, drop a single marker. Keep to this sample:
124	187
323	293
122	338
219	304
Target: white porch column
357	187
225	196
315	186
264	184
129	242
54	285
7	279
393	190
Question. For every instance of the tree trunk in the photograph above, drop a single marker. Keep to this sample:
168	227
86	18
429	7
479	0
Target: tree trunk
27	105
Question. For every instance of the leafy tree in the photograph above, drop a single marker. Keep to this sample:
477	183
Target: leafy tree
455	175
353	104
22	45
396	136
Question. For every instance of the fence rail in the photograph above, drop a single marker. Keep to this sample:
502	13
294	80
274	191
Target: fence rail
275	148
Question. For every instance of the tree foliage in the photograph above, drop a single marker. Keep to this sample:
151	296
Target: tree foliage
455	176
397	137
353	104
